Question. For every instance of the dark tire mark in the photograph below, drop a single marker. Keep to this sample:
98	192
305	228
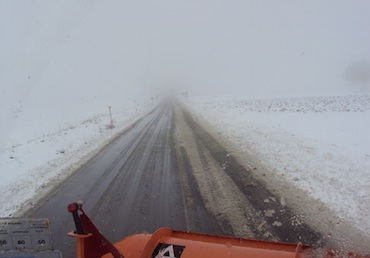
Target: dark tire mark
198	218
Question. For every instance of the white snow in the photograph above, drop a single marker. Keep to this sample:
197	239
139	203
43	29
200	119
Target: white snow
319	144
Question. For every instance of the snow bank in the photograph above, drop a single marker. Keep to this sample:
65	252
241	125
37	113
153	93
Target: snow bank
320	144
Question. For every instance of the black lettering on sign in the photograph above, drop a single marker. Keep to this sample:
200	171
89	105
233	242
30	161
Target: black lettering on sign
3	242
21	242
41	242
167	251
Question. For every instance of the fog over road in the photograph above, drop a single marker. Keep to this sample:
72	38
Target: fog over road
167	171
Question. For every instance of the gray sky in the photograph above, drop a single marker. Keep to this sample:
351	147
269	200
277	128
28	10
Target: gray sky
107	49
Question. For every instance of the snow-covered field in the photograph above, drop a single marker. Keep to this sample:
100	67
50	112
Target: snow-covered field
38	161
319	144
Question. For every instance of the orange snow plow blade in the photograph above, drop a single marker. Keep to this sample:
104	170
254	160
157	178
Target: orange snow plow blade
169	243
166	242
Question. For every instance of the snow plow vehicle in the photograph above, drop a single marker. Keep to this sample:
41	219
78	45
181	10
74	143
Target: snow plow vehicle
163	243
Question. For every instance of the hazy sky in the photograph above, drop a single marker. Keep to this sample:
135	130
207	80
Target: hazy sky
84	50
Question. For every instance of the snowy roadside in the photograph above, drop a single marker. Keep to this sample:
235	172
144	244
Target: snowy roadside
29	170
321	145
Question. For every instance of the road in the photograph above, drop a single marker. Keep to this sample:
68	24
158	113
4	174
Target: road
167	171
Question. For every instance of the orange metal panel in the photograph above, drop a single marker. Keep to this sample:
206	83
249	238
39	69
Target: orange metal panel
194	245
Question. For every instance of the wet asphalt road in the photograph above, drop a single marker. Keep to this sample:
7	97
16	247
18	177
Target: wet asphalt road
130	187
167	171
